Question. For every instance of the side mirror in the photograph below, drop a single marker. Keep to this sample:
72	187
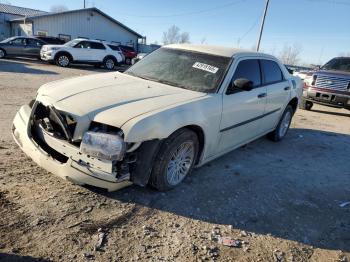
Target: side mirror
243	84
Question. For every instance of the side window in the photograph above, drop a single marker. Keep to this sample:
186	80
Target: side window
248	69
95	45
83	44
271	71
33	42
18	41
114	47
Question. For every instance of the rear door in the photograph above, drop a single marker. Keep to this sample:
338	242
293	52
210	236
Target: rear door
243	110
98	51
33	47
278	92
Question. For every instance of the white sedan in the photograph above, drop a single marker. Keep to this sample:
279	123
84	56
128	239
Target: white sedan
179	107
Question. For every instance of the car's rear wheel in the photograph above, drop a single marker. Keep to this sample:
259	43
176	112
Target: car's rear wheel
63	60
306	105
109	63
175	159
2	53
283	126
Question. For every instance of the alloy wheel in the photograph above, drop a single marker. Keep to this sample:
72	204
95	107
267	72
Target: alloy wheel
63	61
180	163
109	64
287	118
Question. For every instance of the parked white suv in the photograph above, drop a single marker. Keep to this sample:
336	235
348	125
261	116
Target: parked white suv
179	107
82	51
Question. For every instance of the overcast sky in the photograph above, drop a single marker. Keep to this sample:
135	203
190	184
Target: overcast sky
320	27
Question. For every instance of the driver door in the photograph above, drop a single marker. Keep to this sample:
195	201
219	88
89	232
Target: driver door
243	110
16	47
82	51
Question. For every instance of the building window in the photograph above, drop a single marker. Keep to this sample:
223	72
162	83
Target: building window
41	33
64	37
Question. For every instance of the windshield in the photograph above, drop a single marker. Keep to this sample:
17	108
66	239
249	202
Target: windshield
340	64
72	43
8	40
182	68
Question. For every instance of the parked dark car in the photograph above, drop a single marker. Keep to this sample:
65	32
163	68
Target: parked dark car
21	46
129	53
51	40
329	86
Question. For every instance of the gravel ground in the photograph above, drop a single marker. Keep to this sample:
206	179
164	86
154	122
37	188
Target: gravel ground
279	201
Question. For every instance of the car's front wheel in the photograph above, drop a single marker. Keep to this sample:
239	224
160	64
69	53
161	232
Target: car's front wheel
175	159
283	126
2	53
306	105
63	60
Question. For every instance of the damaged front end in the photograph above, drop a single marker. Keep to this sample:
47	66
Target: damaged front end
100	152
82	151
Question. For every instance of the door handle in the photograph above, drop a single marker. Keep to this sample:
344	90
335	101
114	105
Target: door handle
287	88
262	95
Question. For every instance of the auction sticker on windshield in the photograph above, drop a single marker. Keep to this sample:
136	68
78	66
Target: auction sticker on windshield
205	67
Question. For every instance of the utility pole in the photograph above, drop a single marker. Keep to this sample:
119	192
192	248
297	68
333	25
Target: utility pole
262	25
84	4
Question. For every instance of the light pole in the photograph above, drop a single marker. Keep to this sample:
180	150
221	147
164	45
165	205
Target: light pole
262	25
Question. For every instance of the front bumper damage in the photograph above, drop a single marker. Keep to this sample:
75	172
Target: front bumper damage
69	163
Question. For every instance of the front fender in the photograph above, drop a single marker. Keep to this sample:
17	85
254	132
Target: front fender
204	113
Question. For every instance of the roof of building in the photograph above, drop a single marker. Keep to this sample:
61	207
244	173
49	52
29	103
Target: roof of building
94	9
16	10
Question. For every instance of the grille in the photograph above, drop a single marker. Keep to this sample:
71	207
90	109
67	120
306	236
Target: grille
330	82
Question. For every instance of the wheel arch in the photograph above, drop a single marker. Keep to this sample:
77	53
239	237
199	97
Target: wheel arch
294	103
63	53
201	138
3	51
110	56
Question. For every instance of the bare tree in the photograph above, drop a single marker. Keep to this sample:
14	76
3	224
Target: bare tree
58	8
184	37
290	54
173	36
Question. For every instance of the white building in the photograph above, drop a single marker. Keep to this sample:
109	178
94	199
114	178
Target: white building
85	23
8	13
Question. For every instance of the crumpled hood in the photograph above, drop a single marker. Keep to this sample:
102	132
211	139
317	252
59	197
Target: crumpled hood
128	96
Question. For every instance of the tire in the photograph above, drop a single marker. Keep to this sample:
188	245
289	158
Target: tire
2	53
128	61
283	125
305	105
175	159
63	60
109	63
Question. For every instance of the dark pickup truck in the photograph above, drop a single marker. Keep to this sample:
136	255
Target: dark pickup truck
329	86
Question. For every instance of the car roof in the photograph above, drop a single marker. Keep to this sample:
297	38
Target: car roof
216	50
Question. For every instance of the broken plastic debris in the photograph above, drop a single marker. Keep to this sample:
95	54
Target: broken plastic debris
344	204
230	242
